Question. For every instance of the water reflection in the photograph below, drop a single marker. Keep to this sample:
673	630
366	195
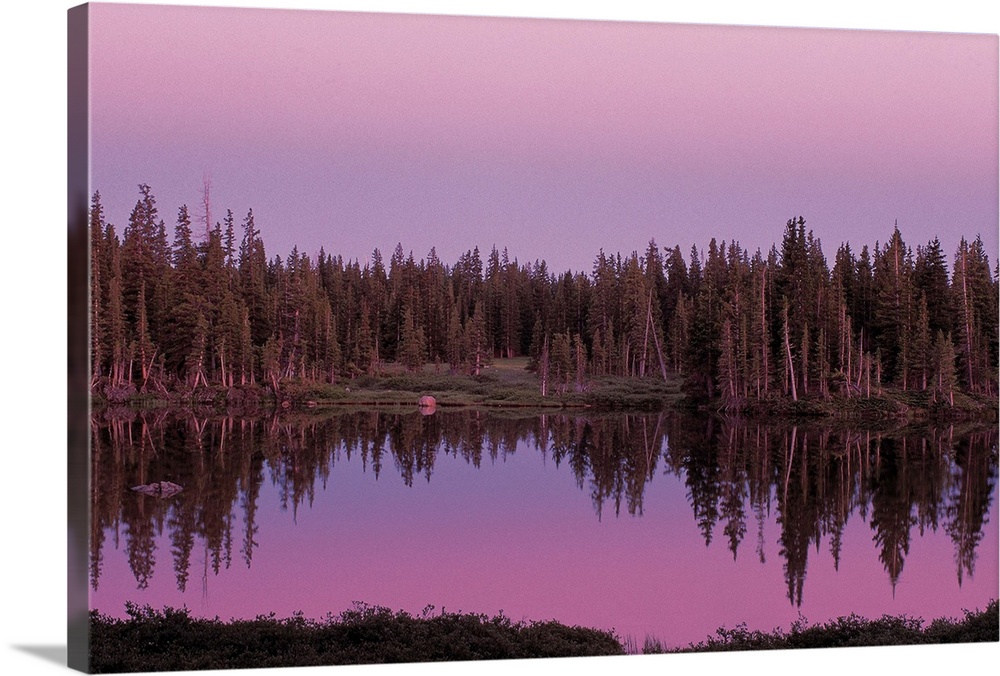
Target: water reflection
811	480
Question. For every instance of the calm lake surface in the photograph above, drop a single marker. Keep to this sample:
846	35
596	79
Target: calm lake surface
649	524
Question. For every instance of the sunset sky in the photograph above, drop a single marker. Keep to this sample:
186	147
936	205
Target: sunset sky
554	138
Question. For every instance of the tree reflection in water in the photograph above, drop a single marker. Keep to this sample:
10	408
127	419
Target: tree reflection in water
900	480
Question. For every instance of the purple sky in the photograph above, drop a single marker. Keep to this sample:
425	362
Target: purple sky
554	138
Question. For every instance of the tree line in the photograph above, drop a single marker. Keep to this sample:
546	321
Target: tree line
206	306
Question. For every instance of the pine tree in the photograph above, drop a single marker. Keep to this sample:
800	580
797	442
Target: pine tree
634	332
146	351
966	321
677	283
603	314
98	291
144	260
580	368
455	344
252	264
271	362
789	363
863	308
727	377
985	311
229	239
705	324
115	324
677	339
598	356
930	277
477	347
759	336
944	368
510	328
561	360
184	253
894	307
412	345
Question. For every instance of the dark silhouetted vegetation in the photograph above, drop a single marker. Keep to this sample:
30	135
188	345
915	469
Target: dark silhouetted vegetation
851	631
173	640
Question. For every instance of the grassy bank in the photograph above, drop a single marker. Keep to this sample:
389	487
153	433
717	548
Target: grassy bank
488	390
508	384
150	640
504	384
886	404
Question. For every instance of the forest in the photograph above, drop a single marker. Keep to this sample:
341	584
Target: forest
207	307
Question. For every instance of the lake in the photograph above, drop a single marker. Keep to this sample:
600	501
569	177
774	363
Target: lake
666	525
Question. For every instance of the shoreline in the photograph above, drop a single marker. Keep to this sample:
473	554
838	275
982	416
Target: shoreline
509	389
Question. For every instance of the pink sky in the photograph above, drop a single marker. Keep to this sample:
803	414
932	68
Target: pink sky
555	138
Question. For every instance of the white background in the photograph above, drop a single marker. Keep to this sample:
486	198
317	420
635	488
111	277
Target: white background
32	322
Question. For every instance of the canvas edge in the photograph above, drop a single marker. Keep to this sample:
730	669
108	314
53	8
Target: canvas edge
78	404
78	517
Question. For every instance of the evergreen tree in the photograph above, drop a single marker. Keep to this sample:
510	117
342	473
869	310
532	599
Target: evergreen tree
229	239
455	345
145	350
412	346
98	288
561	361
863	308
184	253
477	346
921	361
580	367
705	325
894	307
677	283
115	332
945	380
930	278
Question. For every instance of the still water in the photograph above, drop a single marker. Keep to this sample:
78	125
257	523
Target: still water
658	525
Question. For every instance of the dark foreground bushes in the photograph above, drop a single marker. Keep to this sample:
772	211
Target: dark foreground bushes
171	640
976	627
150	640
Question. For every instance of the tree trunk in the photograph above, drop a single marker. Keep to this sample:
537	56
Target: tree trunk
544	366
788	355
764	348
659	354
966	315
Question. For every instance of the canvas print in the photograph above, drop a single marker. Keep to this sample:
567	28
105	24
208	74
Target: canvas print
416	338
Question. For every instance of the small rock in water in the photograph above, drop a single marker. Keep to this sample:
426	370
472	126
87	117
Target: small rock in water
161	489
427	404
